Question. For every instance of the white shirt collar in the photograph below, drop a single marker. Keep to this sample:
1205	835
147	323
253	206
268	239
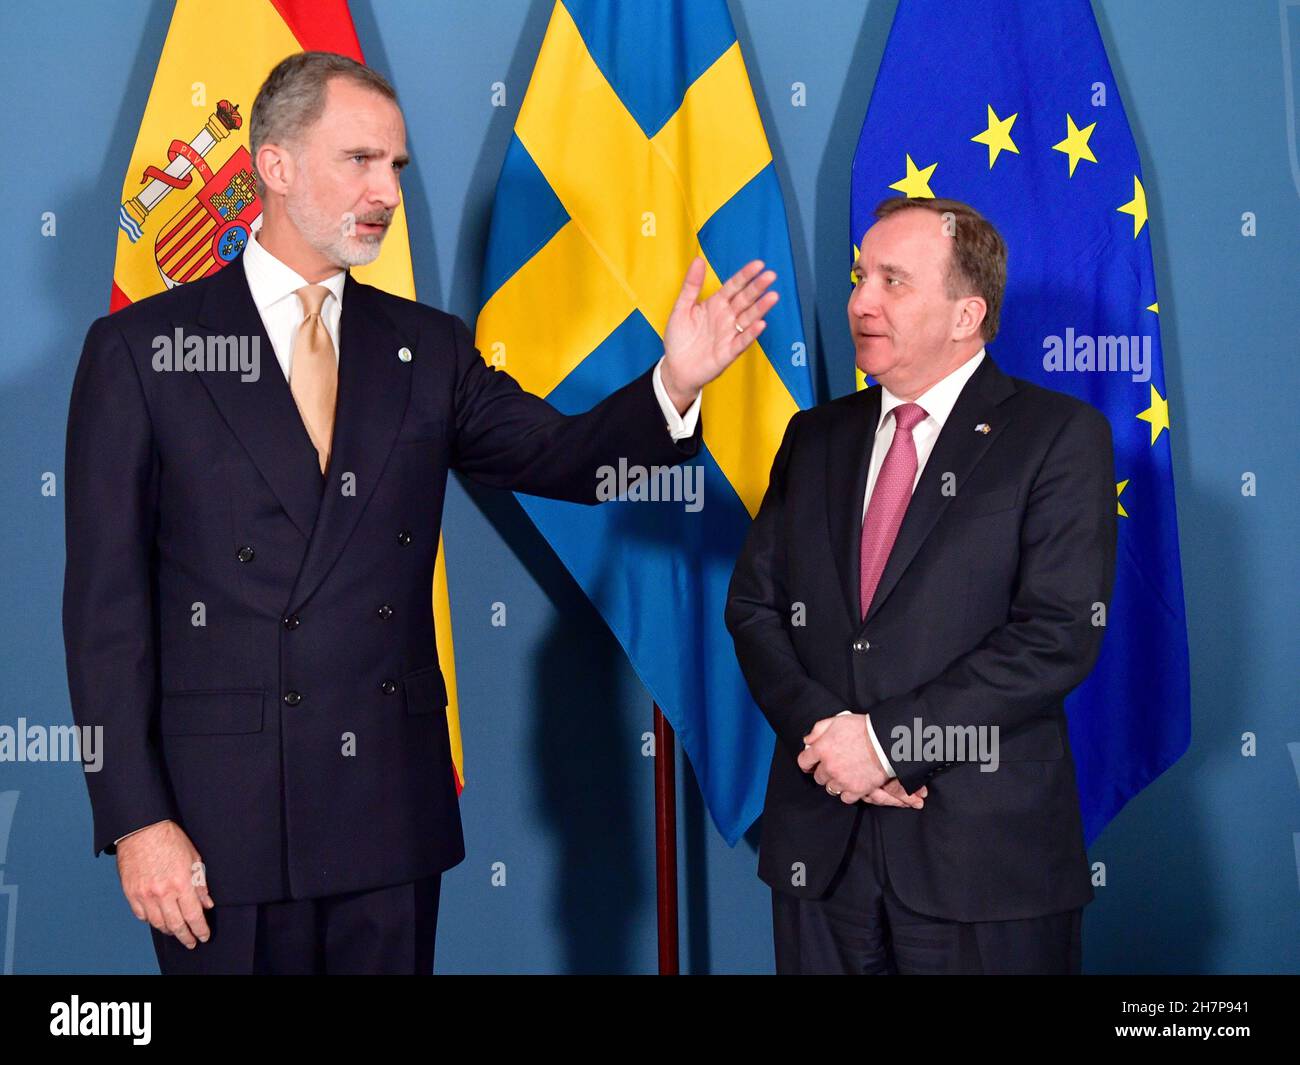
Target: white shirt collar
939	399
270	280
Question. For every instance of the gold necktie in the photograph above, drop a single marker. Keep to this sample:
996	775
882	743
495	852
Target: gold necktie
314	372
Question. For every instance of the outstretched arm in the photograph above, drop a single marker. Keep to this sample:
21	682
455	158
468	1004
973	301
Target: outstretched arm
509	438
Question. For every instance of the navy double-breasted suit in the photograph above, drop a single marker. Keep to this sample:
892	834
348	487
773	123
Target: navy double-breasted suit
298	733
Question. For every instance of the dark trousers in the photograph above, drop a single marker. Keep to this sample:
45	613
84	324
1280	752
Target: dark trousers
862	926
388	930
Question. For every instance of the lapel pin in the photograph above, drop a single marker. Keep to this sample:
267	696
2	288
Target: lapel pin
983	427
404	354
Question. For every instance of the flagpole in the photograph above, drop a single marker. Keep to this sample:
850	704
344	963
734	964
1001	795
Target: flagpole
666	842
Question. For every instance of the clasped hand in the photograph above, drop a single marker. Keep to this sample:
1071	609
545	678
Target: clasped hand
839	754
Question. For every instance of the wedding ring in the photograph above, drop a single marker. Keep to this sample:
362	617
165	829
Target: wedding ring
739	328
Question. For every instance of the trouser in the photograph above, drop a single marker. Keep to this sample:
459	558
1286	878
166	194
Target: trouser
862	926
387	930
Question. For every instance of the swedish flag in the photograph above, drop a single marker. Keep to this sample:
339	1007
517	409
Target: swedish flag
1012	107
639	146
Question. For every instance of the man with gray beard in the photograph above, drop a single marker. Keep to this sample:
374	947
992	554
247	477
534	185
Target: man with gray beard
246	599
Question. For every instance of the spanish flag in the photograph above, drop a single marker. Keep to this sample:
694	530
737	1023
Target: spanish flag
188	202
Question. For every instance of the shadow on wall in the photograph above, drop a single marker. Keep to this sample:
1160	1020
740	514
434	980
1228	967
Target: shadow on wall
833	246
579	740
1180	920
419	217
1165	883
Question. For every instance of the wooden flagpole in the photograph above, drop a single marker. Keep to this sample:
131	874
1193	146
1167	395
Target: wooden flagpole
666	843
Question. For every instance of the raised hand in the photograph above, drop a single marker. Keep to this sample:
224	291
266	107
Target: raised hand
703	339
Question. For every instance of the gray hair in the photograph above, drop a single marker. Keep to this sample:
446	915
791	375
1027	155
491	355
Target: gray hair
293	96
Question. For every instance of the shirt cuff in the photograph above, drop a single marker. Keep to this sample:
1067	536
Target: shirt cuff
875	743
134	831
680	426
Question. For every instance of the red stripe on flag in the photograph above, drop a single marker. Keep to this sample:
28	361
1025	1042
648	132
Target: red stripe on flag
117	299
201	221
167	234
321	26
176	267
203	265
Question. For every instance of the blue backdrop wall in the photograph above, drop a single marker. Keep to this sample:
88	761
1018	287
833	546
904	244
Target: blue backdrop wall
1202	870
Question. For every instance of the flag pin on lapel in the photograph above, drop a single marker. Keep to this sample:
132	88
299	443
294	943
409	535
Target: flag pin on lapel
404	354
983	427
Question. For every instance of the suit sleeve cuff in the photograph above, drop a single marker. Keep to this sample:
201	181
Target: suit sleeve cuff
680	426
134	831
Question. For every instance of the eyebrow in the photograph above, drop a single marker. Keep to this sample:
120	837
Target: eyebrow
885	268
399	160
897	271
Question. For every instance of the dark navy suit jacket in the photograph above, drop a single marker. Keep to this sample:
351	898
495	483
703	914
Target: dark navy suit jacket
298	735
986	615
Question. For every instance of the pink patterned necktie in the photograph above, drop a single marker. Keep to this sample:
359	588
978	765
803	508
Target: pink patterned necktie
889	499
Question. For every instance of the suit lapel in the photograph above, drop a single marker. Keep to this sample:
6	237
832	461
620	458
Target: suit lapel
374	387
847	463
957	451
261	413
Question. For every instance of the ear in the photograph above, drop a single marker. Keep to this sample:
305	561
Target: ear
275	168
970	316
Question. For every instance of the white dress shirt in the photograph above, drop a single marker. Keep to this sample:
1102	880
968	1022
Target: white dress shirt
275	291
275	285
937	402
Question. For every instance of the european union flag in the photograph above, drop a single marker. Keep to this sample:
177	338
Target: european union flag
1012	107
639	146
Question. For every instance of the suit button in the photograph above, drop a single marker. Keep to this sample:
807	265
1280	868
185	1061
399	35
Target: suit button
245	554
292	698
292	622
403	537
388	687
861	646
385	612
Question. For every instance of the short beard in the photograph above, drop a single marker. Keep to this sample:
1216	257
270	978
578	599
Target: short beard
330	237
